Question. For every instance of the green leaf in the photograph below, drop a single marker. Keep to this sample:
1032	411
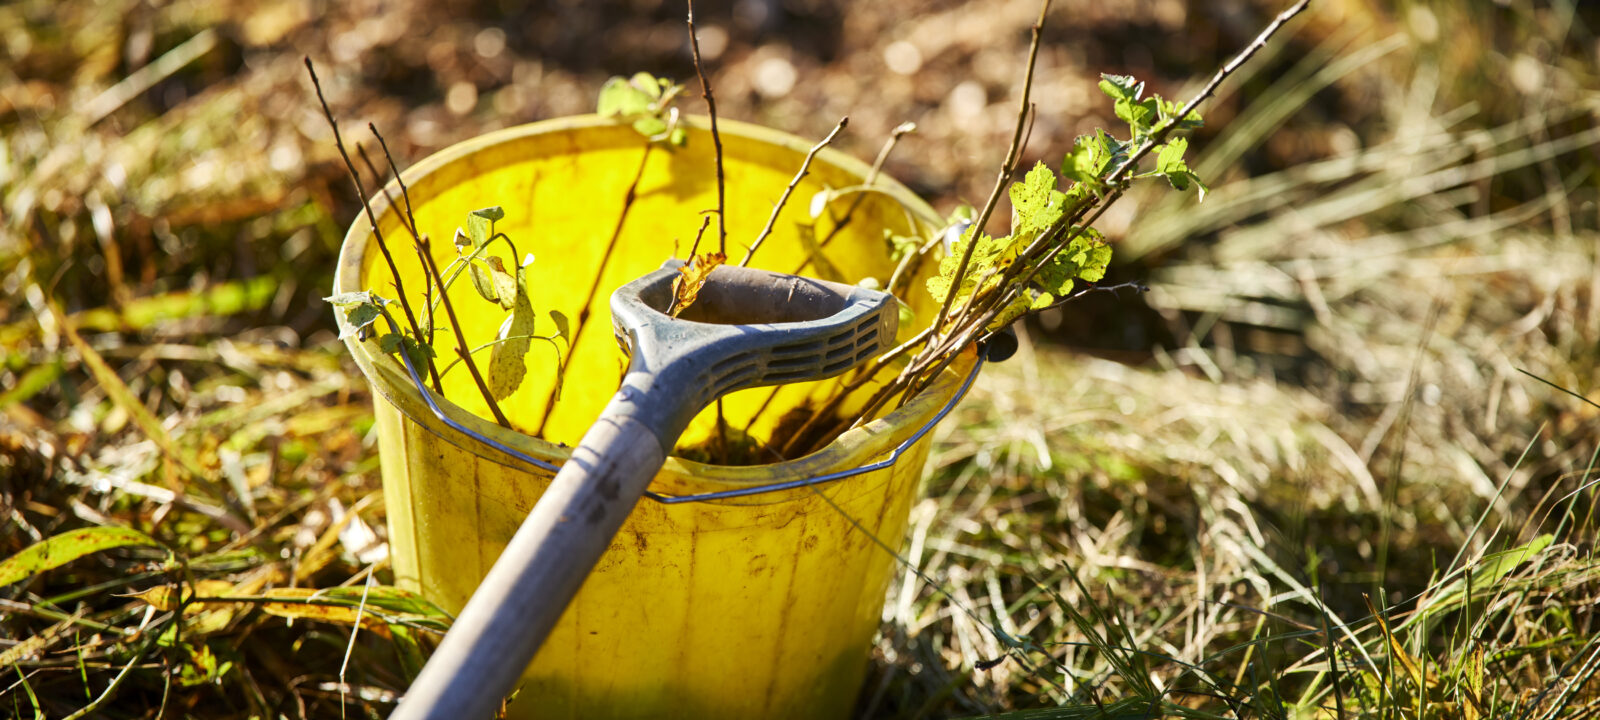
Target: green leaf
390	343
1085	258
1170	157
1139	114
420	354
989	254
648	84
651	127
619	98
1169	110
360	316
1170	164
477	229
902	245
66	547
645	101
1092	158
1121	87
1111	151
490	213
507	360
1036	204
1018	307
1082	164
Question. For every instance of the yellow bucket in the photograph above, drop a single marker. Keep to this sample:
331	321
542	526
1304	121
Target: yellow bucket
762	606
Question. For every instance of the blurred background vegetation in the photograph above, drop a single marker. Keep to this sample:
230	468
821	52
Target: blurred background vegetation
1353	418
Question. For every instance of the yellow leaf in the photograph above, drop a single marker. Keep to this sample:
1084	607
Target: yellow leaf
505	284
201	616
692	276
165	599
300	603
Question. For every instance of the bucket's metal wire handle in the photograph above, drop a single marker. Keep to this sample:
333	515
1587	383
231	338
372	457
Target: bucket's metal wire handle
894	455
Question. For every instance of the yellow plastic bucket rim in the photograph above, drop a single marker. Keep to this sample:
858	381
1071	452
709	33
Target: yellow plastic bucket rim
678	476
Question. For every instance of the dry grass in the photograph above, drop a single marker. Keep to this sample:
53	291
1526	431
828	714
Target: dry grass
1346	410
1332	404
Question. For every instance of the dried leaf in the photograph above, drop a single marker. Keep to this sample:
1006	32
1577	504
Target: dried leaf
508	358
338	614
505	284
562	328
482	283
339	605
692	276
165	598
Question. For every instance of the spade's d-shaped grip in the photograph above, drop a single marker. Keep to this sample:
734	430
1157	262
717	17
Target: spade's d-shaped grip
748	328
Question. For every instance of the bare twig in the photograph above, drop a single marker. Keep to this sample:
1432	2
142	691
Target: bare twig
855	202
462	348
849	213
599	273
405	192
825	414
427	287
716	140
716	137
409	217
372	219
805	168
1006	168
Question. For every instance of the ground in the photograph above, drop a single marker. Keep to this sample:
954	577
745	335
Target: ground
1353	416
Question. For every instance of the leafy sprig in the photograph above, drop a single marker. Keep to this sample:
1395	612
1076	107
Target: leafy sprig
494	282
646	101
1099	167
1040	210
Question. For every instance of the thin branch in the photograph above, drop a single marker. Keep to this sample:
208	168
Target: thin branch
427	287
825	414
599	274
805	168
716	137
855	202
849	213
462	350
410	217
405	192
1006	168
424	253
1119	177
981	311
372	219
